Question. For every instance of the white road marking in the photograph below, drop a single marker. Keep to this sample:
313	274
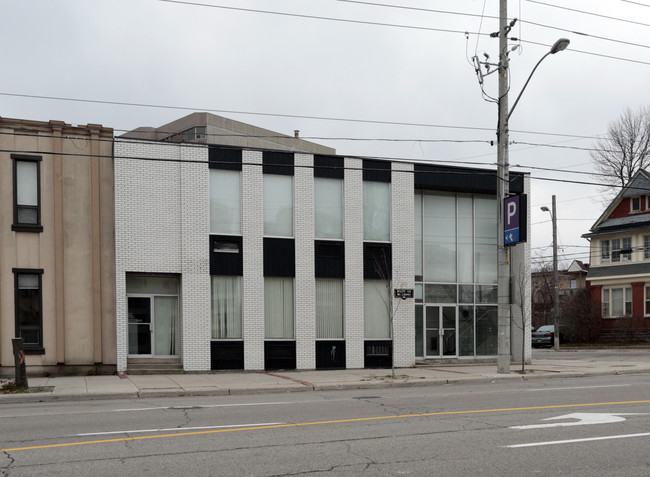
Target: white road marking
571	441
583	419
135	431
579	387
203	406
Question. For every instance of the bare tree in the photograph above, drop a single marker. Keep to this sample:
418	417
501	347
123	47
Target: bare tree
522	320
383	270
624	150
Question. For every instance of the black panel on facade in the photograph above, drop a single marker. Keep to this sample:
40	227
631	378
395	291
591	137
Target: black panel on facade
226	355
457	179
274	162
378	354
378	171
377	261
226	255
329	167
279	257
329	259
279	355
330	354
224	158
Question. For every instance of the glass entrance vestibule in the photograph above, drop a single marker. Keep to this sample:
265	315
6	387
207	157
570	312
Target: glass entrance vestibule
153	325
455	275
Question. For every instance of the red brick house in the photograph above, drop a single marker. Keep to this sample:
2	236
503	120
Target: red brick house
619	275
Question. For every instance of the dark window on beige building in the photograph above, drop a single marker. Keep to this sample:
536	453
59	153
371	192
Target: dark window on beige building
29	308
27	193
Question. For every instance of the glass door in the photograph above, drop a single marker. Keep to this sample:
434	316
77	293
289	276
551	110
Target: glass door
440	331
140	325
153	326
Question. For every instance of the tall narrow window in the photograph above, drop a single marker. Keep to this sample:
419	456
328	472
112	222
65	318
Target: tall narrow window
646	246
604	251
376	211
29	310
225	201
329	308
226	307
376	303
27	196
278	308
328	205
278	205
616	250
626	249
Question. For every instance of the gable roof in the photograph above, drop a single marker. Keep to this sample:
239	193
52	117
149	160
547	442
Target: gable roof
638	185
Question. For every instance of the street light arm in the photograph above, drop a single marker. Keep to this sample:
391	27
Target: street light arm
559	45
524	88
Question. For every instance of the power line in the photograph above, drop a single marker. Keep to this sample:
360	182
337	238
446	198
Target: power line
281	115
317	17
412	27
609	17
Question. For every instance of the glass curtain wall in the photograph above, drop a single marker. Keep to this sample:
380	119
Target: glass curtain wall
456	264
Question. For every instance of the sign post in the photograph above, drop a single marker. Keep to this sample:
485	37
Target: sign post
515	219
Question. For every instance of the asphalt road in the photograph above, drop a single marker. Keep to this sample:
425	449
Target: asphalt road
580	426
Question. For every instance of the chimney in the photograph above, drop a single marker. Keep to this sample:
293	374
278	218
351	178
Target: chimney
296	133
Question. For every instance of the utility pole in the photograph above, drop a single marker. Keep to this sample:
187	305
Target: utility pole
503	189
556	283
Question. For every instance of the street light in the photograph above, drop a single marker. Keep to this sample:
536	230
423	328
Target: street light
503	185
556	284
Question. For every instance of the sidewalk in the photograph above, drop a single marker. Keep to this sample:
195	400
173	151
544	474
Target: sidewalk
69	388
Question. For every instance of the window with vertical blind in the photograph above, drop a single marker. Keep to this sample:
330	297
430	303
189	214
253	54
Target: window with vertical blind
27	194
376	211
328	208
226	307
225	201
278	205
329	308
278	308
376	303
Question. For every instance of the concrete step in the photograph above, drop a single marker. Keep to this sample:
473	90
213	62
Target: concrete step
154	366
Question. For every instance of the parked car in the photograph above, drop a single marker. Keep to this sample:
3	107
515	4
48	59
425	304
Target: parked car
543	336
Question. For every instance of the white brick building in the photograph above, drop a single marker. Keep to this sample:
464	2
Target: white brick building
233	258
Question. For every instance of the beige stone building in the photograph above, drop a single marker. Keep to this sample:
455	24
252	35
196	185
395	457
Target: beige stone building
57	246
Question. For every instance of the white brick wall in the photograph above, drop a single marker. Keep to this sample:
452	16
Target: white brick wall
305	282
162	220
353	235
402	231
253	245
162	226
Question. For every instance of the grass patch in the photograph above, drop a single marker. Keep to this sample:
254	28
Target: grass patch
10	387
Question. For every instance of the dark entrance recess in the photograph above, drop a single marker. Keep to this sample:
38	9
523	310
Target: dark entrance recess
330	354
279	355
378	354
226	355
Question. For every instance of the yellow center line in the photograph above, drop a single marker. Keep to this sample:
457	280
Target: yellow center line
337	421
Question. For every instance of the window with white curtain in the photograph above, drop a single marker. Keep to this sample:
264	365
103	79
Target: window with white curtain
278	205
226	307
329	308
617	302
376	305
376	211
225	201
278	308
328	208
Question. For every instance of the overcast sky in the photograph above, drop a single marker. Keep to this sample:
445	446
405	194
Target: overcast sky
408	68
